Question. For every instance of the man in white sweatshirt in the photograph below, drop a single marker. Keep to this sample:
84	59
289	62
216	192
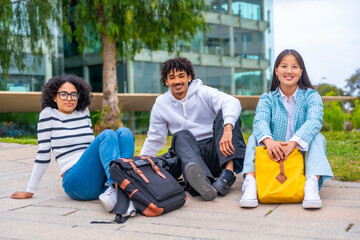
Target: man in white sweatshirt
205	125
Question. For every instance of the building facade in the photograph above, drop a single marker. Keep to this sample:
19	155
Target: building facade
233	56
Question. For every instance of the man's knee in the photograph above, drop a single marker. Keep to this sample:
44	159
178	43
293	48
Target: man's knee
183	135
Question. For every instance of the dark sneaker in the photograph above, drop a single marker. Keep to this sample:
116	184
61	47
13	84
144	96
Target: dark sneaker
224	182
197	179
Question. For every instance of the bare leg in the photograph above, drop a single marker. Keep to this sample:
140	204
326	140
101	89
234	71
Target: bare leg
230	165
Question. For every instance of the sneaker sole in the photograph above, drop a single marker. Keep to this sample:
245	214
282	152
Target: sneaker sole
197	180
312	204
249	203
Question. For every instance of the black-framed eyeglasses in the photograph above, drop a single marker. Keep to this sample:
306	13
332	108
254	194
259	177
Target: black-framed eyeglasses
64	95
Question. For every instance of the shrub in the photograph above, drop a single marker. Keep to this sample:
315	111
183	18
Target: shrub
333	114
355	121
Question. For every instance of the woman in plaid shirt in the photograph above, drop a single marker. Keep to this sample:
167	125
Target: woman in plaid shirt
289	116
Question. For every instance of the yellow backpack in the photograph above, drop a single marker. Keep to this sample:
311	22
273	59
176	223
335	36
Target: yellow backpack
282	181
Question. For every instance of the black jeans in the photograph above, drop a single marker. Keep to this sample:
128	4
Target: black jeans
206	153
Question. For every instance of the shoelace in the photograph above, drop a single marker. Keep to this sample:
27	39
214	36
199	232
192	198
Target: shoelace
110	191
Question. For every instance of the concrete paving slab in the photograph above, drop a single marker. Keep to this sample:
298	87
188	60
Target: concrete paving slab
50	214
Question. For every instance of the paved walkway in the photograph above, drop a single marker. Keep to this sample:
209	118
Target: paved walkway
50	214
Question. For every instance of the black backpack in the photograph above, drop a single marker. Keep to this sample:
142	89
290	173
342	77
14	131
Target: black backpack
151	188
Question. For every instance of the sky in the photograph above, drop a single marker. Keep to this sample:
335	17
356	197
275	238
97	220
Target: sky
325	32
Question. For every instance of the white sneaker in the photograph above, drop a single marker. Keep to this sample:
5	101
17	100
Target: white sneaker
249	195
131	210
109	199
312	197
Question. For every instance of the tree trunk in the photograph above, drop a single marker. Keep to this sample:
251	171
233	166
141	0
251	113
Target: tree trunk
110	116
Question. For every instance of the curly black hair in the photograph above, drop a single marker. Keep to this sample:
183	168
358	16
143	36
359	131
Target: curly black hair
178	64
51	88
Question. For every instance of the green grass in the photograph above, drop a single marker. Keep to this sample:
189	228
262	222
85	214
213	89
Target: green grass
139	141
342	151
22	140
343	154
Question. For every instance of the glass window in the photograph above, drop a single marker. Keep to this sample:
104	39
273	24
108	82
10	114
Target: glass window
94	41
218	6
96	77
121	77
248	44
21	83
216	77
248	83
71	48
76	71
147	78
269	17
193	46
217	41
246	10
31	78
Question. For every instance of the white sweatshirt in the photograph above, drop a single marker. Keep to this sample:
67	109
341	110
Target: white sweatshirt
196	112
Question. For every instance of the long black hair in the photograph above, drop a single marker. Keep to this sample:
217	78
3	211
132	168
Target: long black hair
51	88
304	81
178	64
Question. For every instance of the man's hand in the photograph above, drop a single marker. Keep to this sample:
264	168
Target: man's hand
21	195
288	147
274	149
226	147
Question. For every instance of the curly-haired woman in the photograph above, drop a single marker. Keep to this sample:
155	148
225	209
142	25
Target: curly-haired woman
65	128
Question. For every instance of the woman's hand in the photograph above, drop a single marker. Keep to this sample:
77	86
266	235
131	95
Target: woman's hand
274	149
21	195
288	147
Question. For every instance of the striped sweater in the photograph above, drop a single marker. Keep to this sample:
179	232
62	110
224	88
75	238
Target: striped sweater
66	135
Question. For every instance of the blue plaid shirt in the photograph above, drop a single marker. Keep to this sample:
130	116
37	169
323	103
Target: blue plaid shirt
271	117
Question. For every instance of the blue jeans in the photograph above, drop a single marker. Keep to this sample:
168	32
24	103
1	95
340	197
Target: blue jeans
316	162
90	176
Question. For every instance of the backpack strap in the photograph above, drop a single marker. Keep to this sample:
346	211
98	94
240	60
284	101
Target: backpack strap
154	166
136	170
281	177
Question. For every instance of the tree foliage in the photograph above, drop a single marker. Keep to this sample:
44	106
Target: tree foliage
24	27
325	88
353	83
124	27
134	24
